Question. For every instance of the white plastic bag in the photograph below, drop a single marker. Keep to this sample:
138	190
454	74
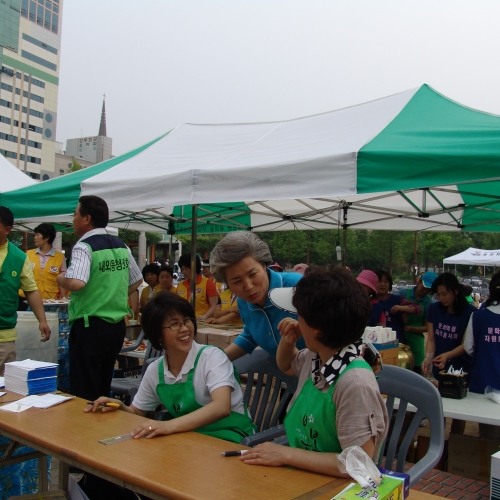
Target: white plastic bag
360	467
493	394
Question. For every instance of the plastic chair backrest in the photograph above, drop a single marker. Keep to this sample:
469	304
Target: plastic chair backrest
134	345
411	388
150	352
268	390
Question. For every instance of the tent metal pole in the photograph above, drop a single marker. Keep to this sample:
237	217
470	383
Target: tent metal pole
194	275
344	238
171	253
415	258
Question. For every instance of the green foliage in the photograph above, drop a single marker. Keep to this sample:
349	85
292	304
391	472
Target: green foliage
74	166
203	243
128	236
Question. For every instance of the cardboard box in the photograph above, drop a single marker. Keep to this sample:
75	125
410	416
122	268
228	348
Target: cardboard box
471	457
222	338
389	352
392	488
202	334
215	336
495	477
44	495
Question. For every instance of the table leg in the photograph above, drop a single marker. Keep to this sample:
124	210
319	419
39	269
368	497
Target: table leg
42	474
63	475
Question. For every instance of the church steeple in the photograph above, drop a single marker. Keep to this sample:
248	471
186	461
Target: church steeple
102	126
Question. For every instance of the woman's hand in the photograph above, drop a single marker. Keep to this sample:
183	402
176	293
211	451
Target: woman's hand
427	363
105	409
396	309
270	454
200	318
441	360
151	429
290	330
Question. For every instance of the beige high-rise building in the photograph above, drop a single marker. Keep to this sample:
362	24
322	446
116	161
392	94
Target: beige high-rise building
30	47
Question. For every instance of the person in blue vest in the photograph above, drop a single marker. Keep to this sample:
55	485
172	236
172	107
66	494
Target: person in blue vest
447	320
338	402
482	342
241	260
15	274
101	276
394	306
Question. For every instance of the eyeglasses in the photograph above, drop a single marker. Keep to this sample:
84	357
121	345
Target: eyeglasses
177	326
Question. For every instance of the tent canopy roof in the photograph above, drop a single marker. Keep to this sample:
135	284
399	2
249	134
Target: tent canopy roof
12	177
415	161
475	257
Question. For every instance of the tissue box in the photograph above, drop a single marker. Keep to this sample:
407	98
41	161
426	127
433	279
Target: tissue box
452	386
392	488
389	352
398	475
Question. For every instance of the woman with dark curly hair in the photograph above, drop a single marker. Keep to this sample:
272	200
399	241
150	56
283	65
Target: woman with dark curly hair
337	403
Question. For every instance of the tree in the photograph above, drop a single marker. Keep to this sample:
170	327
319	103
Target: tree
432	248
74	166
129	236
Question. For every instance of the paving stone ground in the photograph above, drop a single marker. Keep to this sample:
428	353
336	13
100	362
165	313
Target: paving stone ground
447	485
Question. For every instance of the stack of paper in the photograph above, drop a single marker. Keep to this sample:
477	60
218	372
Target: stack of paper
45	401
30	377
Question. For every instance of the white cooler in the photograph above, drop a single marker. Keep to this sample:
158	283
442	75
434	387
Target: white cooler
28	345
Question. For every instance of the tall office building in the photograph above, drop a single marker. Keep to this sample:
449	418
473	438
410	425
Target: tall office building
30	47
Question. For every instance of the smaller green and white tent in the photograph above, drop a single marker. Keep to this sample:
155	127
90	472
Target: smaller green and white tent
411	161
475	257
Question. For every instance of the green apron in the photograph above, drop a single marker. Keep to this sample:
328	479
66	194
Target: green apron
310	423
179	400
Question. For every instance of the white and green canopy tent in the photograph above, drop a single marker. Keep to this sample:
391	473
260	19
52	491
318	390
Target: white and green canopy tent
11	177
412	161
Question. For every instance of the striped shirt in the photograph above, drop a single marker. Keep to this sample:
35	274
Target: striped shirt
81	260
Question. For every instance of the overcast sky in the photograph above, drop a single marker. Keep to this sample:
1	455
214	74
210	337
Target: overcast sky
165	62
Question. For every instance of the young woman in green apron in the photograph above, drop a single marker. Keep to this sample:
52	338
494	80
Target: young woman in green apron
197	384
337	403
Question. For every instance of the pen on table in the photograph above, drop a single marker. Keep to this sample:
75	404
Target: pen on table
110	405
235	453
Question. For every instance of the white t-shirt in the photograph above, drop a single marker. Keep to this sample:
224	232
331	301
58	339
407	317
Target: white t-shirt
469	334
214	370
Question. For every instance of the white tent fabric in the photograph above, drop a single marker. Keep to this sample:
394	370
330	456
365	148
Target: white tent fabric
475	257
304	173
12	177
197	164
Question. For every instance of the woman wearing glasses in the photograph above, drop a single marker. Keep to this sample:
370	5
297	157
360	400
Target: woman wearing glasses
196	383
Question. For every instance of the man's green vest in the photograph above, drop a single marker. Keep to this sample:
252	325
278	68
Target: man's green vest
106	293
10	281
